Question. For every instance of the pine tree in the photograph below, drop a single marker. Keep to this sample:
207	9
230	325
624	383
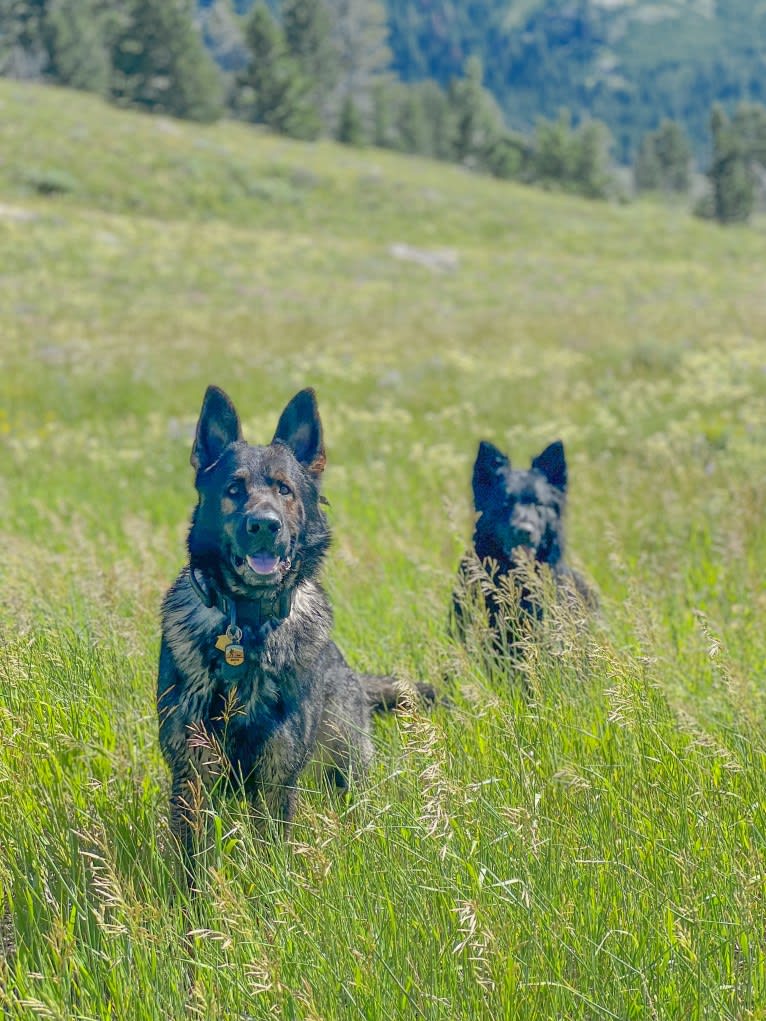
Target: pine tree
749	122
674	156
555	151
61	40
509	156
160	62
75	38
383	132
647	172
360	38
478	121
664	160
261	85
440	119
647	169
411	123
590	159
307	27
350	127
730	174
272	89
23	53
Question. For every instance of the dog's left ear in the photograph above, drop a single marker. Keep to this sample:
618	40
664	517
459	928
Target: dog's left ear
553	464
300	429
490	463
217	428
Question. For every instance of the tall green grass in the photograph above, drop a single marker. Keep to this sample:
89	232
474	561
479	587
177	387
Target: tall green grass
593	851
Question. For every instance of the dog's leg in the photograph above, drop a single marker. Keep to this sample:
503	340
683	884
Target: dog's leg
347	761
185	813
193	779
384	694
274	806
343	738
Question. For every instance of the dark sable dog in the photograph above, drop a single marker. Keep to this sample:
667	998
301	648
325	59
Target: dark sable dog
250	685
519	529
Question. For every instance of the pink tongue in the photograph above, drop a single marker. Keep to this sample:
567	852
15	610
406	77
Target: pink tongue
263	563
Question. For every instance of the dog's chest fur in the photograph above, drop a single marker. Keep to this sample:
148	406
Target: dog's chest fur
274	692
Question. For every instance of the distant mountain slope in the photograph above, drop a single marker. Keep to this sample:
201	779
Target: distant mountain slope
627	62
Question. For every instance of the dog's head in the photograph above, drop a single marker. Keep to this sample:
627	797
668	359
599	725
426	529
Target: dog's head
258	523
519	509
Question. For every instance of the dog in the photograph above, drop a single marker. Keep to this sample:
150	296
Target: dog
519	531
250	686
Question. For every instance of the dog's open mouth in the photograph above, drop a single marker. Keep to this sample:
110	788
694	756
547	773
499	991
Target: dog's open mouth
263	565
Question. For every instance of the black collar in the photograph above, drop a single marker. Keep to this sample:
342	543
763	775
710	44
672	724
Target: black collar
271	606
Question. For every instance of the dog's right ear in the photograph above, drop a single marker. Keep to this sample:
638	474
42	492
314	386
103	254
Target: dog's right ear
300	429
217	428
553	464
489	463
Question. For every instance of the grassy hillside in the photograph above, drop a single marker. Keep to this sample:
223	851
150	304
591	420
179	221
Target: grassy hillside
594	852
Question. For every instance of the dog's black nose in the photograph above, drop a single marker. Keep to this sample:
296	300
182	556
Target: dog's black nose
263	523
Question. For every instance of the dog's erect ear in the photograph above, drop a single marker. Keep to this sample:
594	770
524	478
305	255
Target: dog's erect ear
553	464
489	462
218	426
300	429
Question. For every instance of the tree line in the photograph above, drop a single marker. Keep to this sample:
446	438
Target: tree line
313	68
627	63
316	68
737	169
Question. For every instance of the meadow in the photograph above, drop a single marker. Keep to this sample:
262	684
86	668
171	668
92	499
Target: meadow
597	850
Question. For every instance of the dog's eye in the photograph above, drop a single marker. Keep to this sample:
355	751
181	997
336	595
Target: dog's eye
235	489
284	489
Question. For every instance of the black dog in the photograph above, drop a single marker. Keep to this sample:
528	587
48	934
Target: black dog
519	529
250	685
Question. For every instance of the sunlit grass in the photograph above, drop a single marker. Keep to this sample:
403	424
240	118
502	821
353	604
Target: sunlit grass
596	851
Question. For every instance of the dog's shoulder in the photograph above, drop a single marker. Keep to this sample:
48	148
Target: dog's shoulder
297	643
188	627
337	676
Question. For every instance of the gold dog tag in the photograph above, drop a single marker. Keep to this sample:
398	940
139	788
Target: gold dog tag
221	642
234	654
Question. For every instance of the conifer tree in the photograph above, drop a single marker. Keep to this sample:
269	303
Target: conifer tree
509	156
350	127
75	39
590	159
360	39
412	125
440	119
62	40
308	35
160	62
478	121
272	89
664	160
674	156
22	47
555	152
383	131
730	174
647	173
749	122
261	86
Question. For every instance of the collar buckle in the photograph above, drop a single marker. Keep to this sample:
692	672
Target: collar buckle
254	612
